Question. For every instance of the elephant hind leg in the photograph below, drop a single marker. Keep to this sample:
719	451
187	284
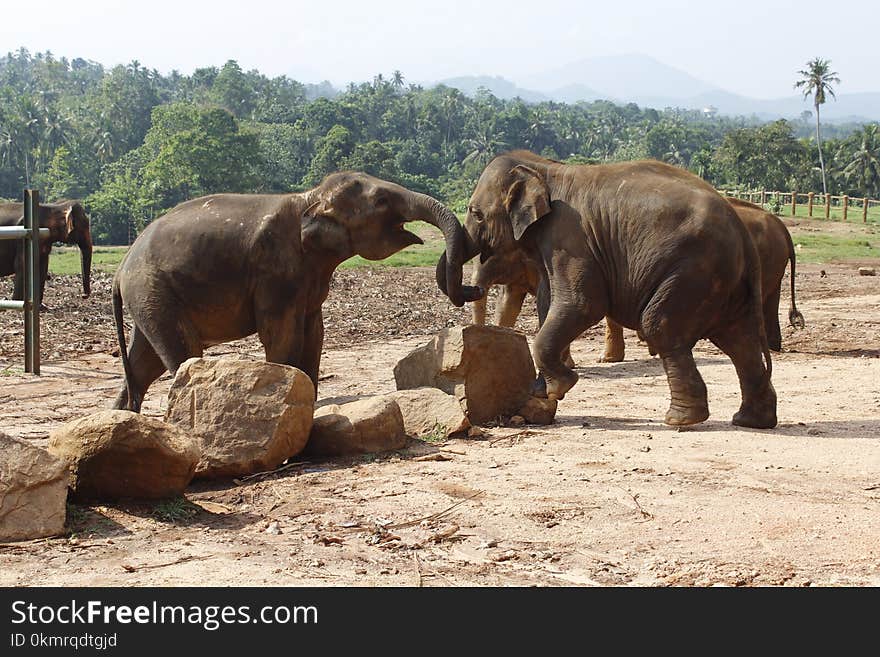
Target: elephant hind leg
741	341
689	404
771	321
146	367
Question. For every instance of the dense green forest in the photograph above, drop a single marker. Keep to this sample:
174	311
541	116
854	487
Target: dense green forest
133	143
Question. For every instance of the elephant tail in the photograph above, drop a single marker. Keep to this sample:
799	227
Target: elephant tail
120	336
795	318
756	299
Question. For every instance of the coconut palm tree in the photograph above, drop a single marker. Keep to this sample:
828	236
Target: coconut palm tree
816	81
863	169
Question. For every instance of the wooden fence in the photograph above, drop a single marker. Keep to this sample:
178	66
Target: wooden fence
817	205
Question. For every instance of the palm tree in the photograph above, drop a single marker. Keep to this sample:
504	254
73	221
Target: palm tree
863	168
816	81
397	80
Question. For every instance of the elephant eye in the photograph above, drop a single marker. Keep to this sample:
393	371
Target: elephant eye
476	214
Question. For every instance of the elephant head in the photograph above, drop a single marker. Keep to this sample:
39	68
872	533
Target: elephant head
68	222
509	197
352	213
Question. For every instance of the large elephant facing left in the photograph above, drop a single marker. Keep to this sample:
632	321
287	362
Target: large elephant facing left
67	222
223	267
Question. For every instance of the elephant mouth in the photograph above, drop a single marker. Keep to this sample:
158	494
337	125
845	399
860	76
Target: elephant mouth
411	238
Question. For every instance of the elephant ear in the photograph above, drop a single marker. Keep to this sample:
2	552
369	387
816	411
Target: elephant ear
528	199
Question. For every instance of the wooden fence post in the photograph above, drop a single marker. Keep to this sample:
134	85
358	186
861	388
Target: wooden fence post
864	210
810	204
828	206
845	205
793	203
763	196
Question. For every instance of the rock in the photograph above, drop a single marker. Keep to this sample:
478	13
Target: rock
120	454
33	491
539	411
867	271
247	416
430	411
517	421
365	426
489	368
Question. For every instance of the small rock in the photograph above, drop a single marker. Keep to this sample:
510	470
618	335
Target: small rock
33	491
370	425
430	411
539	411
120	454
867	271
489	368
248	416
274	528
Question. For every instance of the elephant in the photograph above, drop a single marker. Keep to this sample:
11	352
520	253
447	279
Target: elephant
651	246
67	222
225	266
520	277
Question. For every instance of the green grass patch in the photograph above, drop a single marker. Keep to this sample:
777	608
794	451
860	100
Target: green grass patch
65	259
820	247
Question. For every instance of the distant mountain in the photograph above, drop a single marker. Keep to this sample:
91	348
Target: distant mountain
624	77
649	83
500	88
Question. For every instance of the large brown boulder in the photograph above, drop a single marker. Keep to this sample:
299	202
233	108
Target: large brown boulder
365	426
247	416
120	454
489	368
33	491
430	411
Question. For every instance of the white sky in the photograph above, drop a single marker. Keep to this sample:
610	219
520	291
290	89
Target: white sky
750	47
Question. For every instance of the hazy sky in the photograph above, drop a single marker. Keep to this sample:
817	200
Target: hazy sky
751	47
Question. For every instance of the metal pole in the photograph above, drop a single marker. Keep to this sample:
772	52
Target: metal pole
32	282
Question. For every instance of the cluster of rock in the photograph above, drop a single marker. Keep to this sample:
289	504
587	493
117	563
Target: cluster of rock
230	418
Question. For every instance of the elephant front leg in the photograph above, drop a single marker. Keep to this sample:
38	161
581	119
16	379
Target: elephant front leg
614	345
564	323
689	403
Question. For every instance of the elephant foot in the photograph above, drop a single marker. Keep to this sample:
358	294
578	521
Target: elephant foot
680	415
755	418
611	358
775	345
556	388
569	362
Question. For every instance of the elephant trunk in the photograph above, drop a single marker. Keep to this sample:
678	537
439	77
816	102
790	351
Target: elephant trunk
85	252
449	280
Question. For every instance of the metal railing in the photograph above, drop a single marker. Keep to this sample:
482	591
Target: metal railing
30	232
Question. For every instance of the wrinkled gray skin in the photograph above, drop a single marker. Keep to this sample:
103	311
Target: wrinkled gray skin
649	245
519	276
67	222
223	267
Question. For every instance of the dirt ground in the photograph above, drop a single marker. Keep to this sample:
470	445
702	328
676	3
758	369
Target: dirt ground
608	495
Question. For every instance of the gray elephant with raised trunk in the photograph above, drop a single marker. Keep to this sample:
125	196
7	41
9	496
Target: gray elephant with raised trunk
226	266
651	246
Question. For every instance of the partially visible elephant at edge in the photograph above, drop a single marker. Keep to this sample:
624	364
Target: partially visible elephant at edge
651	246
67	222
519	276
222	267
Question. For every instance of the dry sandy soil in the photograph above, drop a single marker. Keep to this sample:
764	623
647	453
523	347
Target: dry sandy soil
608	495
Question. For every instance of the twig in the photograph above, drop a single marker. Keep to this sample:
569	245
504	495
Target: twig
446	533
435	456
512	436
418	569
434	516
635	498
241	480
132	569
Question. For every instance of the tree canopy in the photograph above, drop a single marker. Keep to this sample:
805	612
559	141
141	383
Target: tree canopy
133	143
